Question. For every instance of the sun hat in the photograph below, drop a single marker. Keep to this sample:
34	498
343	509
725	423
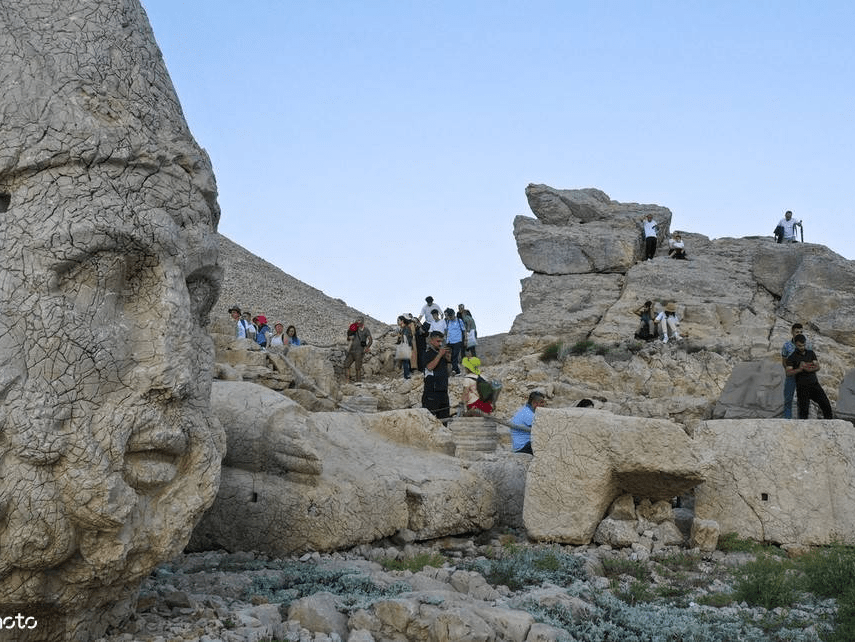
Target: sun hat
670	307
234	308
473	364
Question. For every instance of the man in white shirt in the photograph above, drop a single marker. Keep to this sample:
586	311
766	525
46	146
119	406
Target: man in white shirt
651	229
788	228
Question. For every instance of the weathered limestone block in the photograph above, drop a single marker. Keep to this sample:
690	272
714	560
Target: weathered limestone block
567	306
584	459
704	534
108	450
778	480
414	427
616	532
755	389
571	206
295	481
811	281
599	246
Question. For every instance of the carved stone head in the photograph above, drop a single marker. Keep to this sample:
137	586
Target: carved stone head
109	453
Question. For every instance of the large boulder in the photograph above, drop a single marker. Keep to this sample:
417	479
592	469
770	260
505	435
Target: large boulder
779	480
109	453
584	459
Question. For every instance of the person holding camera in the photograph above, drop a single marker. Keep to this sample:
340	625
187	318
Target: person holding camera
360	343
435	393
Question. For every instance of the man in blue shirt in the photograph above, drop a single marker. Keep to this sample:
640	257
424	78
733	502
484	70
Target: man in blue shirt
524	418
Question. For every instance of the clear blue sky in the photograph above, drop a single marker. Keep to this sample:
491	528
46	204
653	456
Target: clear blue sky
380	151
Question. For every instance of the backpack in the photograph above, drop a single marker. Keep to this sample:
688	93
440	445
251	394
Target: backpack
488	390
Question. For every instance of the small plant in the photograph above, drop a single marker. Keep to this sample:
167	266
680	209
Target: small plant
617	566
581	347
552	352
414	564
768	581
636	593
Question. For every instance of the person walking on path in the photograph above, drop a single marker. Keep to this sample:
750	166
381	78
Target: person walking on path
803	365
360	343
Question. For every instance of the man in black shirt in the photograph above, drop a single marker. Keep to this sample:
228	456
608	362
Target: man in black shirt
435	395
803	365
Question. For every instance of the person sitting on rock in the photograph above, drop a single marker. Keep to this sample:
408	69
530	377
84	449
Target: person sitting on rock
471	399
278	337
647	331
668	320
523	421
677	248
291	335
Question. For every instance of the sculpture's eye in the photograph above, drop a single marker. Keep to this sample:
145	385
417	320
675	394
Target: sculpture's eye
96	284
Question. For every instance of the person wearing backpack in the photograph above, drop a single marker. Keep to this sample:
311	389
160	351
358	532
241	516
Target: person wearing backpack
262	330
472	397
360	343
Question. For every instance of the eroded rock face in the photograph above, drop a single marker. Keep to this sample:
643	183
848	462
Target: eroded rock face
584	459
108	450
783	481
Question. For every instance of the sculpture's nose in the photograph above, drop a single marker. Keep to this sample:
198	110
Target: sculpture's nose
167	347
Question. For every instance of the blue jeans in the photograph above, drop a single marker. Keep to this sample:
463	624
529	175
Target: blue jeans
789	391
405	363
456	352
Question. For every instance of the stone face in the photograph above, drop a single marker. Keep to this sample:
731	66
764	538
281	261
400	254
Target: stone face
778	480
109	450
584	459
295	481
846	396
755	389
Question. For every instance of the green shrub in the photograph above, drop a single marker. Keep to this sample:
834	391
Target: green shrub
733	543
552	351
617	566
829	572
768	581
844	621
528	566
414	564
581	347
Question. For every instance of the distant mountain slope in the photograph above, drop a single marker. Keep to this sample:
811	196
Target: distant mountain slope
262	288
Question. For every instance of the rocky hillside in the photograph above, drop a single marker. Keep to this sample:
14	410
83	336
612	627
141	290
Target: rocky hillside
256	285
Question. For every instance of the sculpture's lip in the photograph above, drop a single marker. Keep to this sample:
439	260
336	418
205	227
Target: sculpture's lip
152	454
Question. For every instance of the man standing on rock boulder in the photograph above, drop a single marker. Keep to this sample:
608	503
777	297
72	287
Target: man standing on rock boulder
803	365
790	380
651	229
435	393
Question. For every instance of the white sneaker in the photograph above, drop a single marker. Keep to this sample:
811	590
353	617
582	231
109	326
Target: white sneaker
665	339
677	336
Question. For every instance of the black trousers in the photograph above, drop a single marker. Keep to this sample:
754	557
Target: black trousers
649	247
808	392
